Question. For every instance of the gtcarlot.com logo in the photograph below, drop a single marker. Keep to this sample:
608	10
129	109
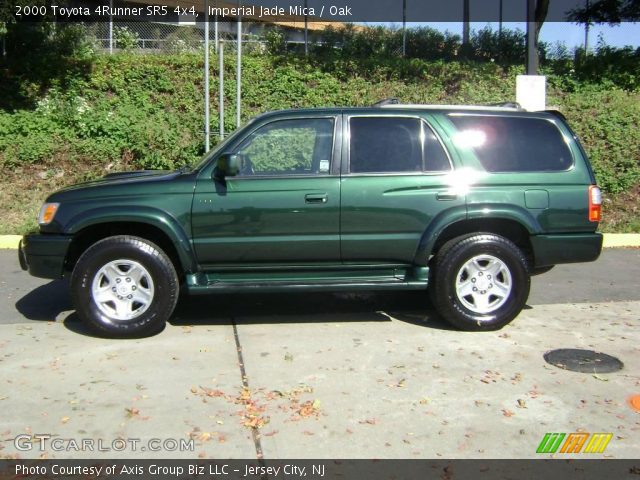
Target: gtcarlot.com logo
44	442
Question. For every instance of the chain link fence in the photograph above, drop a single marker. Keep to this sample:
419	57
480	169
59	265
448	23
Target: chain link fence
161	38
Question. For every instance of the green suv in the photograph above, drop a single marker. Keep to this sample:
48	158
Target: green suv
467	201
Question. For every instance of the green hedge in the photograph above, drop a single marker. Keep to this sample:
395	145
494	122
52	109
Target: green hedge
146	111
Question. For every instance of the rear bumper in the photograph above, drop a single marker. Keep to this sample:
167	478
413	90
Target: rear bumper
43	255
566	248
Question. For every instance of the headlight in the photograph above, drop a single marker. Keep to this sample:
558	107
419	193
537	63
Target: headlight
47	213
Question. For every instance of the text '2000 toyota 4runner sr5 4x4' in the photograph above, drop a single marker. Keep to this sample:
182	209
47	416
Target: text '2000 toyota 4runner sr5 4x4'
467	201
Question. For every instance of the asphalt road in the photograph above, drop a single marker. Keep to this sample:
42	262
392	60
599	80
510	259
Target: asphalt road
323	375
614	277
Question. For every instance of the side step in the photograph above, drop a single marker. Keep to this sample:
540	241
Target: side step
412	278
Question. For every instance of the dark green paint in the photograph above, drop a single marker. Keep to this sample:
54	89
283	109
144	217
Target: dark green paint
327	231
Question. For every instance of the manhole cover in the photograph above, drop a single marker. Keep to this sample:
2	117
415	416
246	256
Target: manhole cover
584	361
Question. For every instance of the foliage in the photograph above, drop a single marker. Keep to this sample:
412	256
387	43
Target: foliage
125	39
182	40
276	44
612	12
41	56
82	116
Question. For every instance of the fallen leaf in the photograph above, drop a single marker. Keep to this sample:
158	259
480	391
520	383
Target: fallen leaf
369	421
64	419
132	412
507	413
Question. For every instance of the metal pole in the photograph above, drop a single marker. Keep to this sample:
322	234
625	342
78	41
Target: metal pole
221	88
215	31
500	21
110	27
586	33
404	28
532	64
215	27
306	30
239	70
207	133
466	18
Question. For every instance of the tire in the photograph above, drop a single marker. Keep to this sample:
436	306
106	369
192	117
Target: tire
124	286
493	266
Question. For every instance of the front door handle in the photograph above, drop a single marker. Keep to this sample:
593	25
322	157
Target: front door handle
316	198
446	196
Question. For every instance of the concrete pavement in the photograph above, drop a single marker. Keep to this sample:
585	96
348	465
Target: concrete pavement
322	375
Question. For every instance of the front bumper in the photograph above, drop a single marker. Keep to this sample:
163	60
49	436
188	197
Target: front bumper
43	255
566	248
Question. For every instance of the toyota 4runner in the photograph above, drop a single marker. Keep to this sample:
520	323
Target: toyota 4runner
467	201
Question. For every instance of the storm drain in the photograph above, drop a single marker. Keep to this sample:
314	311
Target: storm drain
583	361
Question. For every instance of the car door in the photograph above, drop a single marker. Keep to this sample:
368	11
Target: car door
283	206
396	180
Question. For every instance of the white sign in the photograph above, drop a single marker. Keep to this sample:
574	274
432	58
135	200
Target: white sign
531	92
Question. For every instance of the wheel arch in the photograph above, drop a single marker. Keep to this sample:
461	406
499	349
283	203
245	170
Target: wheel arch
512	225
151	225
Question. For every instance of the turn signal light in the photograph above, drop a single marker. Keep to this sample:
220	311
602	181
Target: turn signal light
47	212
595	203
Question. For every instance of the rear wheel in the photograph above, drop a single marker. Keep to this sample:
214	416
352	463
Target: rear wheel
124	286
480	282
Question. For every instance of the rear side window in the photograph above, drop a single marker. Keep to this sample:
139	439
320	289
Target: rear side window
513	144
394	144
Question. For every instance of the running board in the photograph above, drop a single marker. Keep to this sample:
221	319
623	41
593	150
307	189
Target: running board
414	278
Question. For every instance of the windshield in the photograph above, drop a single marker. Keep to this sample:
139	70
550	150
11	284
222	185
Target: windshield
218	148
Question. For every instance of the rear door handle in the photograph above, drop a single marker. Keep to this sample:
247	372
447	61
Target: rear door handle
316	198
446	196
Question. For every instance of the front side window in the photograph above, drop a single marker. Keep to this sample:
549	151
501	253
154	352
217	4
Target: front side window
288	147
512	144
394	144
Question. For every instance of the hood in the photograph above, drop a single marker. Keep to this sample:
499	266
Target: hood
119	178
125	183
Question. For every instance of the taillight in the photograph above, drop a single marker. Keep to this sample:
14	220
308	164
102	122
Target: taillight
595	203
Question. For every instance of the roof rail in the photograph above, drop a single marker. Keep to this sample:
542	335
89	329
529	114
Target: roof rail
386	101
452	107
515	105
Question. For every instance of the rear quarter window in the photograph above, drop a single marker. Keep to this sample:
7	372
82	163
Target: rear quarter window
512	144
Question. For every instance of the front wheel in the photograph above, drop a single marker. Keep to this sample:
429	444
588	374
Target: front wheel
480	282
124	286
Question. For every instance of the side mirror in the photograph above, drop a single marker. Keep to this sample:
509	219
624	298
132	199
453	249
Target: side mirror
228	165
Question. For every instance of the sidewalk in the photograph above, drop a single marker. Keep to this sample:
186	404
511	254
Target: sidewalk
363	384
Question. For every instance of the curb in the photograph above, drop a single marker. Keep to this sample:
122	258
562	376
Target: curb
9	241
611	240
617	240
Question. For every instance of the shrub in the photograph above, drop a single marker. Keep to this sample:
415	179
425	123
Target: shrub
125	39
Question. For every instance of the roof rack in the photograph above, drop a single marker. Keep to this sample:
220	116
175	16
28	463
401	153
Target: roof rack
453	107
386	101
393	102
515	105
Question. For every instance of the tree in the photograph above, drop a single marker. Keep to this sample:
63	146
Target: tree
540	15
612	12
